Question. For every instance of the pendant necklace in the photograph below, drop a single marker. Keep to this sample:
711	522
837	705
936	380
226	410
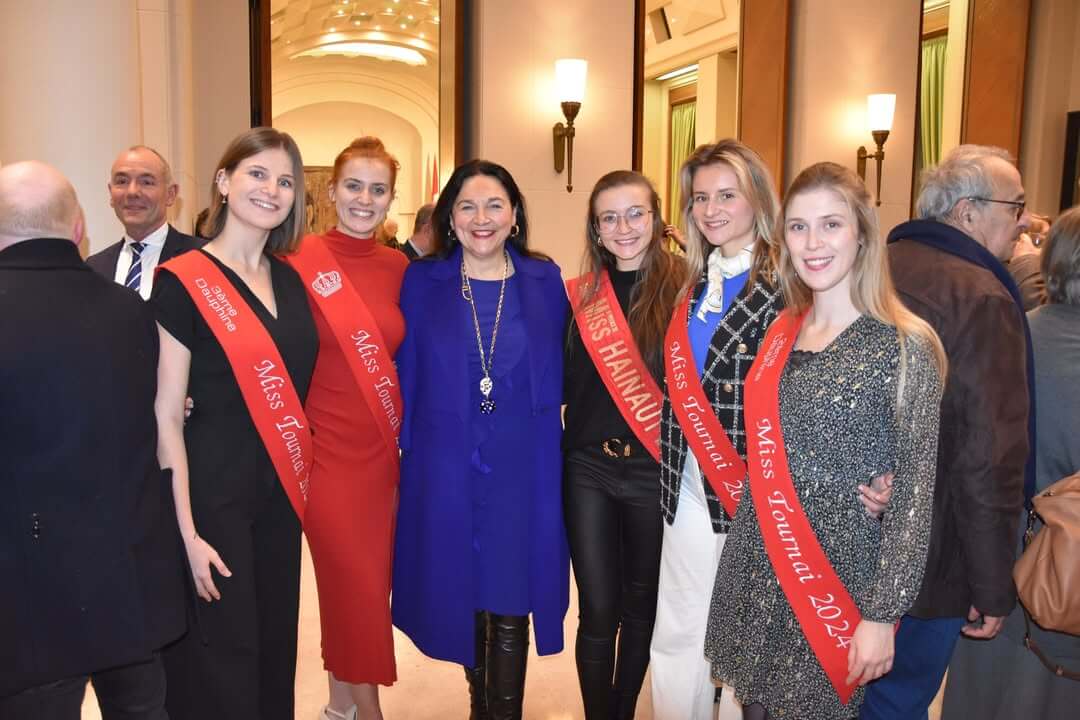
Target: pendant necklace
487	405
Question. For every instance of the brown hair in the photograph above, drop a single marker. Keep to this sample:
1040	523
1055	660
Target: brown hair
1060	261
285	238
872	290
662	276
755	183
366	147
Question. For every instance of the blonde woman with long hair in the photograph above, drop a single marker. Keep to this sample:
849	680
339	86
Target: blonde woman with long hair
847	386
729	299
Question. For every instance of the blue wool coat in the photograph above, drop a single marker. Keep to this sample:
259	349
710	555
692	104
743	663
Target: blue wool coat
433	591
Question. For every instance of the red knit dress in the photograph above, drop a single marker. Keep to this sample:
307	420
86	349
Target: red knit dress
352	503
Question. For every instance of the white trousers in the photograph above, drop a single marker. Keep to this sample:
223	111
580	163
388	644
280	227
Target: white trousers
682	686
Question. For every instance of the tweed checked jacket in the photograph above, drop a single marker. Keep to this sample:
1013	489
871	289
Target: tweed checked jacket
732	350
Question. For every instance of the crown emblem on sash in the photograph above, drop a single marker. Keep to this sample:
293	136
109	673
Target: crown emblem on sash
327	283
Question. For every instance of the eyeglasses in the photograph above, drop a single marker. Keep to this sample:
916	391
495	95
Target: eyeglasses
1018	205
637	218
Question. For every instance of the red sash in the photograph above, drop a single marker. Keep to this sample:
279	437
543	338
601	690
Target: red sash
607	336
357	333
260	372
827	614
720	463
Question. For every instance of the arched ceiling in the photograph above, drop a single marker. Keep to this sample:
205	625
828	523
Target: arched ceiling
403	33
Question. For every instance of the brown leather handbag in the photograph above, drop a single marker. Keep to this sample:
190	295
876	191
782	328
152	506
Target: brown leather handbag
1048	573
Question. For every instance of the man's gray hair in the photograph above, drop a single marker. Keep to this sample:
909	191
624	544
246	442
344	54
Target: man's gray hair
962	174
423	217
164	163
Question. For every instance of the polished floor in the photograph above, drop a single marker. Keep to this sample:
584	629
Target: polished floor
432	690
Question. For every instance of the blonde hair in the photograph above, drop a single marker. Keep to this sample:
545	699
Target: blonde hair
872	290
756	184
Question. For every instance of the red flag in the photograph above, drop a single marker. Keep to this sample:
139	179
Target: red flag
434	179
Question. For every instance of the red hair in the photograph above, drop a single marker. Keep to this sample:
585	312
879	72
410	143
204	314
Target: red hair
366	147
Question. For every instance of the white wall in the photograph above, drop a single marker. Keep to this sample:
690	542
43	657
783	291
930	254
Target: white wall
61	104
222	85
514	105
841	51
82	81
1052	90
322	130
717	97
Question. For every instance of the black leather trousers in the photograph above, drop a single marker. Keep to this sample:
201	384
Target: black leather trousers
611	502
497	683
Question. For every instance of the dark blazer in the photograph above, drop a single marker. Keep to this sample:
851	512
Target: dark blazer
176	242
433	594
983	444
731	353
93	566
409	251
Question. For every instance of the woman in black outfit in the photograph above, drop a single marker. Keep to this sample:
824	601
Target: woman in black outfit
240	530
611	496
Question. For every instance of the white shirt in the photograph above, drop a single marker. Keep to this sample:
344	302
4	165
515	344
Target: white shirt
154	243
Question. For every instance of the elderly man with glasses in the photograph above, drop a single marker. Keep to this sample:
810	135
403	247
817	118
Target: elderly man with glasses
948	267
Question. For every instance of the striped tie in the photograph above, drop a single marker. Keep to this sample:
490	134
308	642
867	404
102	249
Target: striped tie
134	276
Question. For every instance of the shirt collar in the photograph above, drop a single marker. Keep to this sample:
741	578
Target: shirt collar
154	239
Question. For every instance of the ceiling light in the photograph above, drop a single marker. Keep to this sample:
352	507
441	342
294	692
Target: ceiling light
340	12
379	51
677	73
356	23
402	26
410	17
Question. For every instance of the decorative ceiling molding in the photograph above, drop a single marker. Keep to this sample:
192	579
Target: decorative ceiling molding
298	27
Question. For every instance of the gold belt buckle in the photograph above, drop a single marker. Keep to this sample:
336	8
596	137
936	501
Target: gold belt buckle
613	453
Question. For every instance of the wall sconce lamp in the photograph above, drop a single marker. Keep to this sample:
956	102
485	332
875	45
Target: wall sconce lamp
570	86
879	115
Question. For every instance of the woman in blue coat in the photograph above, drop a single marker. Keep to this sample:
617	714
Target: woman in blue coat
480	539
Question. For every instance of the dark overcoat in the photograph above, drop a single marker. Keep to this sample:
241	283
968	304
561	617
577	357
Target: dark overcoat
90	556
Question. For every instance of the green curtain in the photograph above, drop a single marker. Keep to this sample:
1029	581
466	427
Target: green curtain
683	133
931	100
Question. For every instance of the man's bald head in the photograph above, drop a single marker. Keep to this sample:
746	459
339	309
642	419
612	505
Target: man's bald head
36	200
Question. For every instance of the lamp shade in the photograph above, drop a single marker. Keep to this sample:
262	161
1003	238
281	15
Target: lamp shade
570	79
879	111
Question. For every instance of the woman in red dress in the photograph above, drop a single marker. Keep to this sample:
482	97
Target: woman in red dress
353	286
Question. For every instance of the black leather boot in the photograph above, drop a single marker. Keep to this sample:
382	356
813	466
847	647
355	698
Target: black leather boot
507	653
477	676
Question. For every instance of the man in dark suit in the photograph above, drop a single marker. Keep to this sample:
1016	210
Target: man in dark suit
422	241
89	549
141	190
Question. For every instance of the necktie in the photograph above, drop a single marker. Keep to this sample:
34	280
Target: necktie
719	269
134	275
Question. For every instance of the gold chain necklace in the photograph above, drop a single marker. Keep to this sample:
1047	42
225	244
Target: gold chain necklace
487	405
